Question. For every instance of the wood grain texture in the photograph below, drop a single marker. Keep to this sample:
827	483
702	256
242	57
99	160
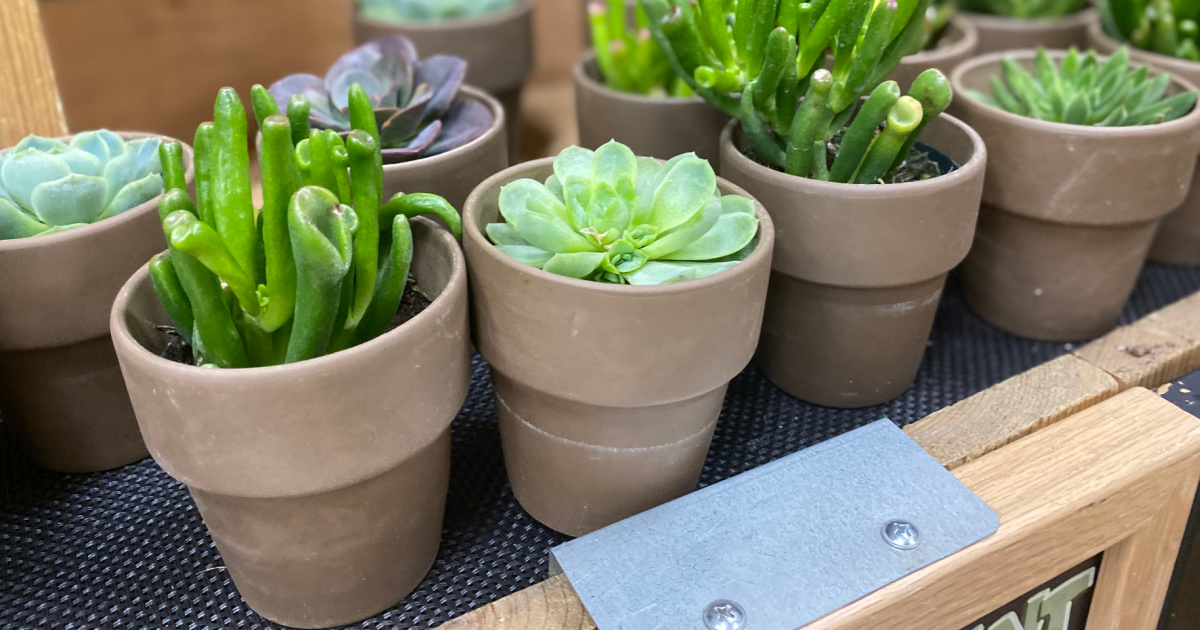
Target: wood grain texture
1153	350
29	100
550	605
1011	410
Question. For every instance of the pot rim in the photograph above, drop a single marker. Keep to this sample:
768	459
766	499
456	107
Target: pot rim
964	173
585	79
396	336
1179	125
99	229
471	231
1081	17
968	41
1156	60
517	11
499	120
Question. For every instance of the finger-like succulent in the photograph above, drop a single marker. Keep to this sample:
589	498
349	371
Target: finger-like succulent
416	105
755	59
1083	90
1024	9
937	18
609	216
401	11
1161	26
322	266
630	61
48	186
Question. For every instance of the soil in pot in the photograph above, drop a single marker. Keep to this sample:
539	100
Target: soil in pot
958	42
858	269
998	32
607	394
1069	211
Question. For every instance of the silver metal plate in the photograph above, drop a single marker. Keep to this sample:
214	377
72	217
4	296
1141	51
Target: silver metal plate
788	542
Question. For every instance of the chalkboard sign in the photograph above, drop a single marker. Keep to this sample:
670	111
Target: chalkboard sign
1060	604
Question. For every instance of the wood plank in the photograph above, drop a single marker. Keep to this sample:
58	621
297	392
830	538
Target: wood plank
550	605
1153	350
29	100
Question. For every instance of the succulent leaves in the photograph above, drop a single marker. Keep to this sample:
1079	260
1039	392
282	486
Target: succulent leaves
48	185
1162	26
1024	9
630	60
609	216
1084	90
417	111
401	11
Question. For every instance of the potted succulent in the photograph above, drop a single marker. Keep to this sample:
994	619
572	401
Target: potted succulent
1013	24
305	389
438	135
1164	35
76	219
868	222
614	298
1086	157
495	37
952	39
625	90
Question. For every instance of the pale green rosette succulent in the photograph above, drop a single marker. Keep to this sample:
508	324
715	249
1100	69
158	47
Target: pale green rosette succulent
609	216
48	186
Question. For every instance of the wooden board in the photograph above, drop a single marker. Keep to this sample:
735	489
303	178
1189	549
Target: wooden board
1153	350
28	95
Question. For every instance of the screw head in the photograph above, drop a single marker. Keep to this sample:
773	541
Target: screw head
902	535
724	614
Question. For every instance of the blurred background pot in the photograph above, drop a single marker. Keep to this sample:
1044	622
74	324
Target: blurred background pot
958	43
998	32
858	269
322	482
607	394
61	390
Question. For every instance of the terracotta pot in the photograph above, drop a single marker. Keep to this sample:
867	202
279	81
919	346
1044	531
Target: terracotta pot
656	127
322	482
998	32
61	391
498	49
1177	241
957	45
858	269
607	395
1069	211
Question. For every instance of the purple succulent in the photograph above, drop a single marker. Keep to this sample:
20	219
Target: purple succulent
416	104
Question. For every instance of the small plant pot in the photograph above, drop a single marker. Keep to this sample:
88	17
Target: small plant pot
322	482
61	390
1177	241
1069	211
498	48
858	269
607	395
998	32
957	44
655	127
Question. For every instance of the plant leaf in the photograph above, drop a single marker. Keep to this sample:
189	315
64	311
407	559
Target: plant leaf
574	265
682	192
72	199
729	235
26	170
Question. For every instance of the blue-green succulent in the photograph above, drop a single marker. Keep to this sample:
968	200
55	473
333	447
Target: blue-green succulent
401	11
609	216
48	185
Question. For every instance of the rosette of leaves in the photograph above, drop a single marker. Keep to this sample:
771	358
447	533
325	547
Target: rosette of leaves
629	59
401	11
1082	90
48	185
611	217
1161	26
416	106
1024	9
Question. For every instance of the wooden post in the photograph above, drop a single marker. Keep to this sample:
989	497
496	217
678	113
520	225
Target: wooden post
29	100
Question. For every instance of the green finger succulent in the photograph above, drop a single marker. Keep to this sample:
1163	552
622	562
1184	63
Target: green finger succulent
1162	26
48	185
1083	90
1024	9
320	267
401	11
609	216
631	61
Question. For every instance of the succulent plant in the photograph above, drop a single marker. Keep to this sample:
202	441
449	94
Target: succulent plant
609	216
753	59
415	102
401	11
48	186
1024	9
1161	26
322	266
937	18
630	61
1082	90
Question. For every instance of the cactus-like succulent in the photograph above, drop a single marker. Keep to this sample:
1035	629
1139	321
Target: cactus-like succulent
1083	90
755	59
630	60
401	11
322	266
1161	26
48	186
415	102
937	18
609	216
1024	9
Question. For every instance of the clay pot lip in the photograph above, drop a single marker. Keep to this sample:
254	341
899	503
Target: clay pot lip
584	79
965	173
100	229
390	340
989	21
471	232
1156	60
495	18
1180	125
499	120
967	41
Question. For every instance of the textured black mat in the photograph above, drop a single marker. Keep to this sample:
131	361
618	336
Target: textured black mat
126	548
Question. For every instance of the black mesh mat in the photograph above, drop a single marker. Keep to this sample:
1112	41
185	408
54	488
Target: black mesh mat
127	549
